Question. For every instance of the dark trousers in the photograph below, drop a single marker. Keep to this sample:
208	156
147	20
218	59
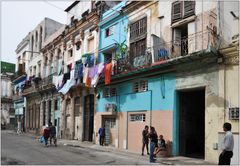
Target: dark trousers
143	146
101	140
53	137
46	140
225	158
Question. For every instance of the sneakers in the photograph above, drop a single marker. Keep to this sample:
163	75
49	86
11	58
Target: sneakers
142	154
147	153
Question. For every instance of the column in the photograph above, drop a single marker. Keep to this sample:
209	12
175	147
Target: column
41	114
55	59
47	112
52	110
81	113
72	119
63	113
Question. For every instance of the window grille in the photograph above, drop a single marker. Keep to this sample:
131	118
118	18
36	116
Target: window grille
140	86
137	117
109	92
234	113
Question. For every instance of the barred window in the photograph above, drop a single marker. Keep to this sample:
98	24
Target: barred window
140	86
109	92
137	117
234	113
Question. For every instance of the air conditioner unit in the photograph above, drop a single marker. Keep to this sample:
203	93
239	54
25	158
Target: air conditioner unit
110	107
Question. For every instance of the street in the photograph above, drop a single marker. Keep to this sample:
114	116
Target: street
23	149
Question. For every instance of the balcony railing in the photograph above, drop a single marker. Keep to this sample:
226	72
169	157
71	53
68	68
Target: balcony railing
17	96
38	84
168	51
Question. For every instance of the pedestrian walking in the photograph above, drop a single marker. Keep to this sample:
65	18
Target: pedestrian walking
227	145
52	134
153	142
145	139
46	134
101	133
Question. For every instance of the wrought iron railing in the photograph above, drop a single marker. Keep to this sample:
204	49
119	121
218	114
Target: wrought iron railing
168	51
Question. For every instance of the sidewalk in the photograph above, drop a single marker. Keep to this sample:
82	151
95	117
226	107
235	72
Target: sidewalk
178	160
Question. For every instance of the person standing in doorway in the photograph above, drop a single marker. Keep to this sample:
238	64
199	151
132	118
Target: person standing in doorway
101	133
227	146
145	139
153	142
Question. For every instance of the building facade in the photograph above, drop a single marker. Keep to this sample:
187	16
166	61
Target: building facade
19	82
170	78
35	81
7	110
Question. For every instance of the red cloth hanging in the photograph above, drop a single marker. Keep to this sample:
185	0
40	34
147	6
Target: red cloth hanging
70	67
107	72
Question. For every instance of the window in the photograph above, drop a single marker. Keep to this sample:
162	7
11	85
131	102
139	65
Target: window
138	34
140	86
109	92
182	9
234	113
91	45
70	53
78	46
111	122
109	31
137	117
138	28
56	105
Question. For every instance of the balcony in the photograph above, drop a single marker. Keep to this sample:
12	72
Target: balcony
16	97
38	85
168	52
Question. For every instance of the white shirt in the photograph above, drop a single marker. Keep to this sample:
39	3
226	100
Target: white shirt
228	142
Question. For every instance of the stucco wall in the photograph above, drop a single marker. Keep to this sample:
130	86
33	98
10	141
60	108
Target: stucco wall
194	76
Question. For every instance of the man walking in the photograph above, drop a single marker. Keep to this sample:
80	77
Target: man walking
53	134
227	146
145	138
101	133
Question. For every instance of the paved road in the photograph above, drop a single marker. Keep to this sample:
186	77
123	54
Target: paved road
22	149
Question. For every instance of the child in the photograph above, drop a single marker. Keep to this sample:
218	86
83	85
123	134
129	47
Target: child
161	145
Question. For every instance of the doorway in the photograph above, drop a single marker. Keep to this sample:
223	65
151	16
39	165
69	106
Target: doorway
192	123
88	118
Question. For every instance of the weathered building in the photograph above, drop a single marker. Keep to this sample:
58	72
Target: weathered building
7	109
170	77
80	42
19	79
36	73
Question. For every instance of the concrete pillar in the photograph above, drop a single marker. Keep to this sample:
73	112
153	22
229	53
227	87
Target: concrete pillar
83	93
52	110
72	119
41	114
55	59
63	113
47	111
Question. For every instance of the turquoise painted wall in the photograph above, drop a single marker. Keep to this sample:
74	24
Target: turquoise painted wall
112	17
160	96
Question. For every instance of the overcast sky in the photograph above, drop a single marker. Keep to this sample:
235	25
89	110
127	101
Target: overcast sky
20	17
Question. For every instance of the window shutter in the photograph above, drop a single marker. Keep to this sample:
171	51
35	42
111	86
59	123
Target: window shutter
176	11
189	8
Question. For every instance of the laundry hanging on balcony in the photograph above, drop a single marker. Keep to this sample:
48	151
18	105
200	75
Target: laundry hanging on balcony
58	81
96	77
107	73
71	82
